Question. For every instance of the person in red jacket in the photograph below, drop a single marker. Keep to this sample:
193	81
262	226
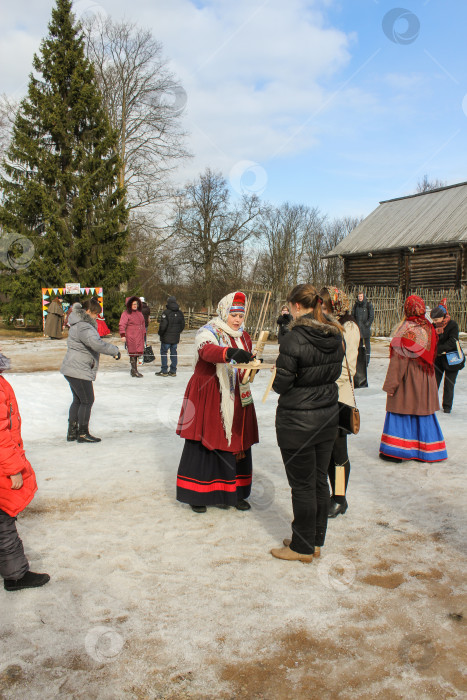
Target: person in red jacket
218	419
17	489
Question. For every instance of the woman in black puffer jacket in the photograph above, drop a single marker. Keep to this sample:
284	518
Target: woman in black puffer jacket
309	363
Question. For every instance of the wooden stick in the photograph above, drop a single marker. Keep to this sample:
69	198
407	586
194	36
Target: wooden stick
253	365
259	325
269	387
339	488
257	351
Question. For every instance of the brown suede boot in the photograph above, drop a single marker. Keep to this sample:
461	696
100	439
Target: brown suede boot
289	555
287	541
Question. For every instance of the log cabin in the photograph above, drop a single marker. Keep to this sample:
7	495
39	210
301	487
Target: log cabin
408	243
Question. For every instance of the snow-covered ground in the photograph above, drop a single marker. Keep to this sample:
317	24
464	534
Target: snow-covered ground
150	600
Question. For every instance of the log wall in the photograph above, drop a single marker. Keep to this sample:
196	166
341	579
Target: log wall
444	267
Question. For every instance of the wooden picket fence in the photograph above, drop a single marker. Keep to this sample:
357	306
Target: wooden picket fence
388	304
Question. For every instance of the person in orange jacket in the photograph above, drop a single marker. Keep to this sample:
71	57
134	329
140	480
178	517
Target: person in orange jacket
17	489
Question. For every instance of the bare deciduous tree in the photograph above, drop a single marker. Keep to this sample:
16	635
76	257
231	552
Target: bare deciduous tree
210	229
286	232
426	185
144	102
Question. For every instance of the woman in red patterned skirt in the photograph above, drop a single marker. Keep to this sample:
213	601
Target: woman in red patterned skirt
218	418
411	429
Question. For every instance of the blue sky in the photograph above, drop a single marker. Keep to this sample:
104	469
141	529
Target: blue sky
301	101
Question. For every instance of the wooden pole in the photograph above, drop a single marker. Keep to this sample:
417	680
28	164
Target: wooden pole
258	325
269	386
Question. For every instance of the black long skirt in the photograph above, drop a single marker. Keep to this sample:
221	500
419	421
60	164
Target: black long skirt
212	477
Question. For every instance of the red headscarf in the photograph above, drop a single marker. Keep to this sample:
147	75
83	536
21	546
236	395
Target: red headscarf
416	337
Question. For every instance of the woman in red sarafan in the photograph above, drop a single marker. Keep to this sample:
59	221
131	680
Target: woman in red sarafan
411	429
218	418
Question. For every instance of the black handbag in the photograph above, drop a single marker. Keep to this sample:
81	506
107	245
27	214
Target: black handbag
148	355
349	416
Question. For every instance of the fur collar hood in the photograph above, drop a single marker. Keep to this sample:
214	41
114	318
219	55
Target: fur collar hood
129	301
78	314
307	321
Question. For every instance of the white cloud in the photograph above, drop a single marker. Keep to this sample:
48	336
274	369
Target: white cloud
254	71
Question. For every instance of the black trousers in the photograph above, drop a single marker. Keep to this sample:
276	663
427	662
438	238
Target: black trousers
450	377
13	562
307	470
83	398
339	458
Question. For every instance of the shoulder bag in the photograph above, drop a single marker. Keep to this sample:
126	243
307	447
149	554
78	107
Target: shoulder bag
349	416
456	359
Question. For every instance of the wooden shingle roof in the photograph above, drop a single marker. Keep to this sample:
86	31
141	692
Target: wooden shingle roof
431	218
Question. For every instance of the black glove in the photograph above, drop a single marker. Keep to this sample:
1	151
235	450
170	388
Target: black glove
239	355
118	355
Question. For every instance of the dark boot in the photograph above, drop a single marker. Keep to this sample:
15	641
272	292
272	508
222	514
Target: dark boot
199	509
242	505
29	580
336	509
84	435
134	368
72	431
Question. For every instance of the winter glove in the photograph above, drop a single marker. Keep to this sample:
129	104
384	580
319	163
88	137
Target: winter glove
239	355
118	355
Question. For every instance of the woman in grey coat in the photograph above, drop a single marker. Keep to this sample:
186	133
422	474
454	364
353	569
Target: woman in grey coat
80	366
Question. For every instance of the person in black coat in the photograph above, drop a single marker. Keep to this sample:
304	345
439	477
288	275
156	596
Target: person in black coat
309	363
284	320
171	326
146	311
448	335
364	314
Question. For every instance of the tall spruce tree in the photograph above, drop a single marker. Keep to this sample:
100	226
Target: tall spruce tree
60	189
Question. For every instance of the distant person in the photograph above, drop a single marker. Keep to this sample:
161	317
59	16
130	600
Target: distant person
54	320
17	489
80	366
170	328
447	331
411	429
364	314
133	329
284	320
146	311
102	327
